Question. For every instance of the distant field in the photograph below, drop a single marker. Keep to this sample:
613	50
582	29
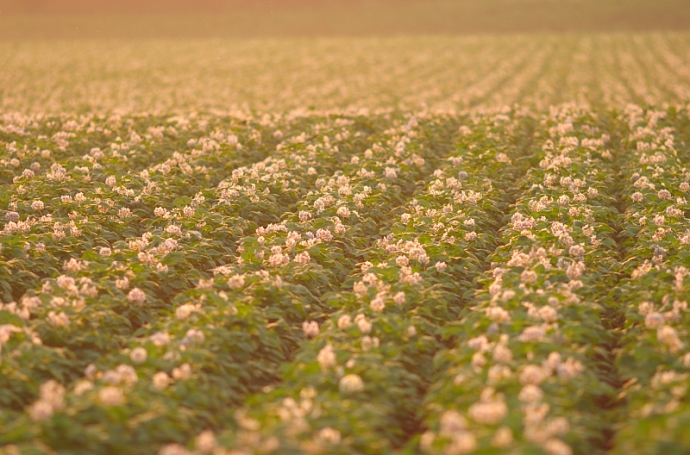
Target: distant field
408	73
75	19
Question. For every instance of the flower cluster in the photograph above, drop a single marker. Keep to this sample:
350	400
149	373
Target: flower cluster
654	359
487	281
389	310
523	372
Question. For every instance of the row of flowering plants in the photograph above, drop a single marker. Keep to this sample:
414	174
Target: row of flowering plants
654	356
345	284
524	373
140	212
210	343
356	384
72	243
124	240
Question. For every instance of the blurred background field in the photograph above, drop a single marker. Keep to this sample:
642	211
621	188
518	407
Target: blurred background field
22	19
444	73
261	56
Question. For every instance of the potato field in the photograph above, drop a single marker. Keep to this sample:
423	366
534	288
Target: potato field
435	245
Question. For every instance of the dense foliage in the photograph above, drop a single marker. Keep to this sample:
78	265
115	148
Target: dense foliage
495	282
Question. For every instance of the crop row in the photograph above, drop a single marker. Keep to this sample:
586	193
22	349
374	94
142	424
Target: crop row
228	332
356	384
437	283
111	226
524	375
654	356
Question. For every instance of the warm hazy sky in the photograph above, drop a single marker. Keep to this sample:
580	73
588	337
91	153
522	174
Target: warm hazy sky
50	19
171	6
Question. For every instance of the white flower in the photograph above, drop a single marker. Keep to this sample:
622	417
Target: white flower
369	342
654	320
576	251
399	298
329	435
452	422
160	339
344	321
378	304
205	442
575	270
37	205
136	295
528	277
53	393
302	258
497	314
278	259
669	336
664	194
530	394
161	380
82	386
111	396
402	261
236	282
389	173
173	449
12	216
502	354
363	324
40	410
138	355
569	369
532	335
326	357
194	336
324	235
548	314
126	374
58	319
489	410
182	372
160	212
310	329
351	383
503	437
532	374
557	447
66	282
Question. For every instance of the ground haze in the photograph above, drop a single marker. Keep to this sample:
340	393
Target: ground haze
241	18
